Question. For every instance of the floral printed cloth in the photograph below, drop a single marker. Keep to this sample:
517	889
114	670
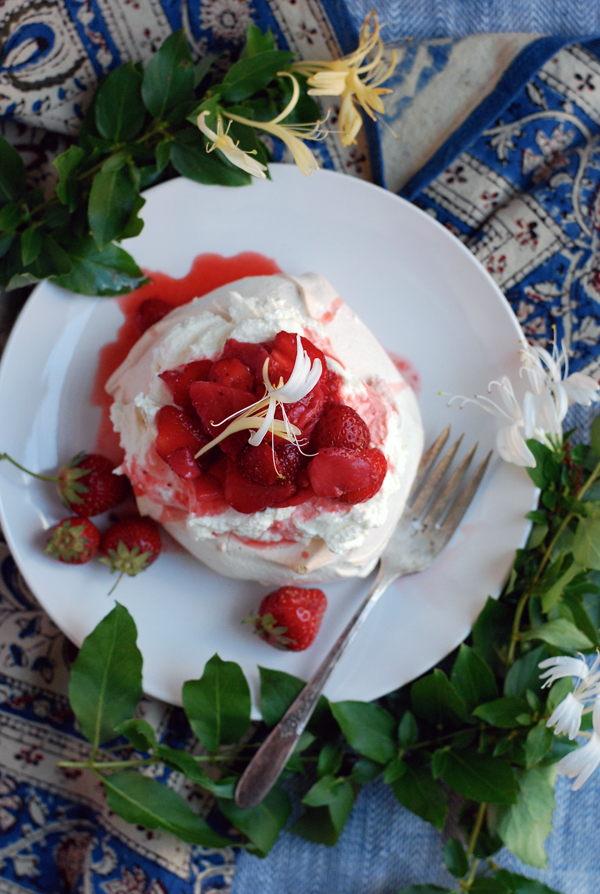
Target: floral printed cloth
498	139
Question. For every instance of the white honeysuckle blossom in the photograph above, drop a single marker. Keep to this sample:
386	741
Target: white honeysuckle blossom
566	717
510	439
581	763
261	414
223	142
545	405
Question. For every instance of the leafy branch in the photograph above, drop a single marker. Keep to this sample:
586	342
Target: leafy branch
139	129
477	726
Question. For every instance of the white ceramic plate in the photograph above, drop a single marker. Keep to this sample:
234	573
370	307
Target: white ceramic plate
425	298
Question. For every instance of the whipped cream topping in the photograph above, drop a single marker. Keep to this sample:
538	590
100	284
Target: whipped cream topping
328	537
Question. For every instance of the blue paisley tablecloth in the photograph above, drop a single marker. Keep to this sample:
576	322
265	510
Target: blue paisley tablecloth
498	130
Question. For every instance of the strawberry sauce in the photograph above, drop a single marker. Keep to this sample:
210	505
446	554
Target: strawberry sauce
208	272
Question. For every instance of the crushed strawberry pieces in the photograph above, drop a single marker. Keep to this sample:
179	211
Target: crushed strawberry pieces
316	445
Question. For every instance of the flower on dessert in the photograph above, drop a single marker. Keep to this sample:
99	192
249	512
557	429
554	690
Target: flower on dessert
545	406
261	414
293	135
356	78
224	144
580	764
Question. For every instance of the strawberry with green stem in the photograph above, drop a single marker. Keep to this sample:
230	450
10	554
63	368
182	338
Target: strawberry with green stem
290	617
130	546
74	541
86	485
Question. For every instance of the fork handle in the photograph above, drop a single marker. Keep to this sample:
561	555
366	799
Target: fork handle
266	766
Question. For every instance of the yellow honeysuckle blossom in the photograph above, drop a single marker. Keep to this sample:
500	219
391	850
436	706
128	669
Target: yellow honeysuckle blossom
223	142
355	82
293	135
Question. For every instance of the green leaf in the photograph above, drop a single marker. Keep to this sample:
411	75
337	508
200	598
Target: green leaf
520	884
365	770
149	803
108	272
262	824
586	545
330	758
277	692
502	712
218	704
490	632
257	42
120	114
324	825
394	770
489	885
186	763
368	729
323	792
111	202
106	679
140	734
12	172
31	245
552	596
560	633
477	776
190	159
455	858
169	76
56	216
408	731
135	224
163	155
525	826
421	794
525	673
253	73
6	240
12	214
537	744
202	68
473	678
67	188
436	700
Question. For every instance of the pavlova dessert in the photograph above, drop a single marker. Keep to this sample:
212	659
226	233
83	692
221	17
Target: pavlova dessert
268	431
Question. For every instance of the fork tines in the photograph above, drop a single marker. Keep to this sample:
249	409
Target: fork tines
426	489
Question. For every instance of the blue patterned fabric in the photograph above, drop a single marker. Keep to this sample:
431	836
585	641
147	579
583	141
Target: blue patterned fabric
498	139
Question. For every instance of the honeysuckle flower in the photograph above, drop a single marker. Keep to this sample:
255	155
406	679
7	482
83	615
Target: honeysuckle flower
566	717
355	77
580	764
293	135
510	439
223	142
261	414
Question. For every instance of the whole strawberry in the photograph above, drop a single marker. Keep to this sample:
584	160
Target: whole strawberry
130	545
74	541
86	484
290	617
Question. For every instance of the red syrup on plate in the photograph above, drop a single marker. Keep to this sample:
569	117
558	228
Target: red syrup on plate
407	371
208	272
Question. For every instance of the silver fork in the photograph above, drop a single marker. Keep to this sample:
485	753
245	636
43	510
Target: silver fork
431	517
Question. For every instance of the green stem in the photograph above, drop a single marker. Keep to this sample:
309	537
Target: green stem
92	764
476	829
27	471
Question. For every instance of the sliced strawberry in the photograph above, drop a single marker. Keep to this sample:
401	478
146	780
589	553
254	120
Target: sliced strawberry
305	412
180	379
216	403
183	464
218	469
231	371
177	429
150	312
290	617
330	384
378	469
283	355
336	471
248	497
252	355
259	464
340	426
